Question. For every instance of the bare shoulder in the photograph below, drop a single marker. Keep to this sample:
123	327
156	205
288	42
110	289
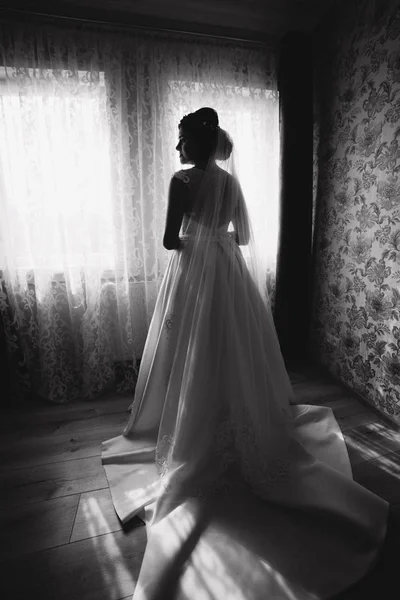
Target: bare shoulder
182	175
229	178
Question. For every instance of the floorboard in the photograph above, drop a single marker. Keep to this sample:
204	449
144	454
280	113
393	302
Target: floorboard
16	454
351	421
33	484
95	516
343	408
65	426
313	392
371	441
105	567
108	403
58	524
381	476
33	527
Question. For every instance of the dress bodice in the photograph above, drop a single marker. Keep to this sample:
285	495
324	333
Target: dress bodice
190	226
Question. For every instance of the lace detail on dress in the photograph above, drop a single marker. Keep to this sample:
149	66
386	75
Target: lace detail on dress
262	465
182	176
169	321
163	452
237	463
236	447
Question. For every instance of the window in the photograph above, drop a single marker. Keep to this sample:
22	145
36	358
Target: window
251	117
55	169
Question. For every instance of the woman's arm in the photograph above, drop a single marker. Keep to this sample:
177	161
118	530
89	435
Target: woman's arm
176	207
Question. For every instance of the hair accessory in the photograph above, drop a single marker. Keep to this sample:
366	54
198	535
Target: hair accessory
193	119
210	125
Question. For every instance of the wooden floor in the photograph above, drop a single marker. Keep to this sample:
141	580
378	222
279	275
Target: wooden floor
59	536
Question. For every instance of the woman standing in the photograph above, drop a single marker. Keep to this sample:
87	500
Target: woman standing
214	412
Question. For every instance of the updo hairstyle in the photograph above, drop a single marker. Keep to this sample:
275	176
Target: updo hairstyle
204	127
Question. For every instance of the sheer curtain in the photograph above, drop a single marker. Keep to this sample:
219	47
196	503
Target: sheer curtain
88	128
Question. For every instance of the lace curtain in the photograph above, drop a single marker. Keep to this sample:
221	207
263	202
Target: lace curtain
88	128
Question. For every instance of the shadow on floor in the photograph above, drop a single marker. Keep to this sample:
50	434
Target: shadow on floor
382	582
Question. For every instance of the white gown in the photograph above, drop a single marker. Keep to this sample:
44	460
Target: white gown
249	485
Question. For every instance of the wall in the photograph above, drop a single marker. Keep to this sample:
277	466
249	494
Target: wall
356	328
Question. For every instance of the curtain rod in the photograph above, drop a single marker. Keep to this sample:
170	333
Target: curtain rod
142	27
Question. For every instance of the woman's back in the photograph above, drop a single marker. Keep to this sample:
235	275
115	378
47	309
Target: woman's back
213	200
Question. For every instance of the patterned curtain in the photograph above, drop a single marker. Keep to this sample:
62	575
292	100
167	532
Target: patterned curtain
88	128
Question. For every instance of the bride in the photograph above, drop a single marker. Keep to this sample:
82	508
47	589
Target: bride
214	412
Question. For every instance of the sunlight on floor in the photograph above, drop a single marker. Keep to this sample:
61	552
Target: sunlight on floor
110	559
94	516
375	442
390	464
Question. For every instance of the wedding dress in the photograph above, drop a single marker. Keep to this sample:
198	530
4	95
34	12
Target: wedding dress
216	447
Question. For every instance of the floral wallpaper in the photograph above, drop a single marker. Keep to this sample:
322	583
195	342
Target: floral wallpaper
356	324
